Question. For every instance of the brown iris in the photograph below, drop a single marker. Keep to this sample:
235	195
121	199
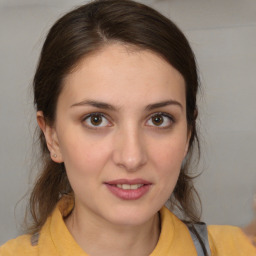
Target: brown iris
96	119
157	120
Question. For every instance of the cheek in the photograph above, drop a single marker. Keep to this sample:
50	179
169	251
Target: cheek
83	155
170	153
168	160
84	162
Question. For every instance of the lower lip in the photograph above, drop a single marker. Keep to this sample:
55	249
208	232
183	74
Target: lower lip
129	194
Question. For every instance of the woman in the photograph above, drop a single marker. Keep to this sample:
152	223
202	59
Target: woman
115	92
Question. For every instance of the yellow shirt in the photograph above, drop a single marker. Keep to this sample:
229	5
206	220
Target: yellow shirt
174	240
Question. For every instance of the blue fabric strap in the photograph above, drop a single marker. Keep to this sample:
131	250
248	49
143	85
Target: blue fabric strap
34	239
201	230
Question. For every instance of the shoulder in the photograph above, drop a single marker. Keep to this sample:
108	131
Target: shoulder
20	246
229	240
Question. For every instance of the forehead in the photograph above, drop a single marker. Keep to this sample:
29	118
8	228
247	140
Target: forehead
124	74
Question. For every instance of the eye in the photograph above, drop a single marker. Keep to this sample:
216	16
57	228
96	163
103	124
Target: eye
95	120
161	120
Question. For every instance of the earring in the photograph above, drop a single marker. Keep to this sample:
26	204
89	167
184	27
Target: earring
54	155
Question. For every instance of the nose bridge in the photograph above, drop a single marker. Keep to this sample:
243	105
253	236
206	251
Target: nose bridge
130	151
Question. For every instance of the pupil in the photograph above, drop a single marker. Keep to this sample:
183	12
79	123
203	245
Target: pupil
158	120
96	119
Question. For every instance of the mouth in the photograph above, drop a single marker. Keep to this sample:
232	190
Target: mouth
128	186
128	189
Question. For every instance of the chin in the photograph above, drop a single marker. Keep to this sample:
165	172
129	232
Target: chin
130	216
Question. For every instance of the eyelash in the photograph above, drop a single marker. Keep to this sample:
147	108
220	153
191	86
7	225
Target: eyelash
99	114
164	115
103	116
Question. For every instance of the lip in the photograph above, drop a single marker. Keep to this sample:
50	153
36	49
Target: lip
127	181
129	194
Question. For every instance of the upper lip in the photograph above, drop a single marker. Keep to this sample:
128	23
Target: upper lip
128	181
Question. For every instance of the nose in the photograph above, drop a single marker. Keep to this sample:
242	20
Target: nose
129	150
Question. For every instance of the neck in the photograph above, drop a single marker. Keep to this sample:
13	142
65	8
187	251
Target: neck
99	237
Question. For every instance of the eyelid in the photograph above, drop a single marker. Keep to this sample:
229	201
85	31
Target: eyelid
164	114
103	115
108	118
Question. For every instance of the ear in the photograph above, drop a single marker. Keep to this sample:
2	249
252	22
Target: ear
50	137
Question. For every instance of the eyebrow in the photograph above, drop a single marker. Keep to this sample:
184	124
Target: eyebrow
96	104
103	105
163	104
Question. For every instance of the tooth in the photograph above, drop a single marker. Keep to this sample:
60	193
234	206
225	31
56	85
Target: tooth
126	186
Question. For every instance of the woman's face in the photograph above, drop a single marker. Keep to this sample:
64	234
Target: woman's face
121	132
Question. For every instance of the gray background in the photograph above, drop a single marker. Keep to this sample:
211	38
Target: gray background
223	36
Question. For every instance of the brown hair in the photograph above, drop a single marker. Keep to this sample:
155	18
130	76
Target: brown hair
81	32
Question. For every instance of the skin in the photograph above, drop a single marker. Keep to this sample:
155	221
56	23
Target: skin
127	144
